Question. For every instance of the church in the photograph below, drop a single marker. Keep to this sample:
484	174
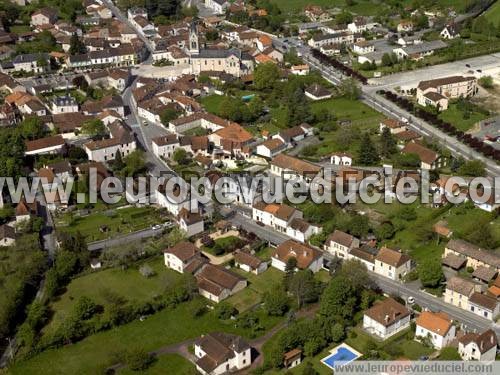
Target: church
231	61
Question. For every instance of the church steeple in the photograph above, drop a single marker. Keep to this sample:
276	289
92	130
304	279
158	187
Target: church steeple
194	44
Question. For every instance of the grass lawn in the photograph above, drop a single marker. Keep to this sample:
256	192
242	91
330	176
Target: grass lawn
454	116
93	354
211	103
18	29
265	253
493	14
363	7
361	117
128	283
175	363
257	286
117	221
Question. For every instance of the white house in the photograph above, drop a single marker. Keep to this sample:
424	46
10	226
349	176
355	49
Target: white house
183	257
484	305
270	148
363	47
340	244
121	141
317	92
32	62
249	262
289	167
164	146
217	6
437	327
64	104
341	158
216	283
386	318
221	353
48	145
478	347
190	222
392	264
306	256
301	230
450	31
277	216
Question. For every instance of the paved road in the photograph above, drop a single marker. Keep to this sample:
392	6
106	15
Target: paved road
470	320
264	233
125	239
379	103
119	15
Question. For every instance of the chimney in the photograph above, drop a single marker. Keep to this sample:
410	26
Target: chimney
386	319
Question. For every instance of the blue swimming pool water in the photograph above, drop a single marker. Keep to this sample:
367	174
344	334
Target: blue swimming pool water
343	356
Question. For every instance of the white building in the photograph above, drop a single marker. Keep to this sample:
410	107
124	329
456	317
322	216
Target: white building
438	328
190	222
32	62
340	244
289	167
306	256
217	6
215	283
478	347
164	146
392	264
181	256
121	140
49	145
271	148
64	104
300	230
277	216
221	353
249	262
484	305
341	158
386	318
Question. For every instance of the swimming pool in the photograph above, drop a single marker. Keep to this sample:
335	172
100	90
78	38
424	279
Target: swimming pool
340	355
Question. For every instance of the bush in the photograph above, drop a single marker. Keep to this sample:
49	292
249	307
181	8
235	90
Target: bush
225	311
138	359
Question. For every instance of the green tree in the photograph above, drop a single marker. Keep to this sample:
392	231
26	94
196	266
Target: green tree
304	287
168	115
388	145
349	87
275	301
265	76
31	128
180	156
367	153
84	308
337	332
138	359
135	163
359	225
472	168
94	128
175	236
430	273
76	46
486	82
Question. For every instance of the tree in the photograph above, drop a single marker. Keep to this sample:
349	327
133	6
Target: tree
472	168
388	146
225	311
180	156
84	308
367	154
168	115
304	287
359	225
31	128
76	46
309	369
339	300
349	87
291	265
385	231
344	18
265	76
430	273
486	82
175	236
135	163
355	272
275	301
337	332
138	359
94	128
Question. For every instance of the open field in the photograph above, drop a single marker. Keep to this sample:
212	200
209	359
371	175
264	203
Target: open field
93	354
173	362
104	224
128	283
493	14
455	116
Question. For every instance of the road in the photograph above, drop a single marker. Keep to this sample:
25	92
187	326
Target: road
468	319
125	239
265	233
120	16
380	104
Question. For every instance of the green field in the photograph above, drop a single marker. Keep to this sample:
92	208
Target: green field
454	115
173	362
93	354
128	283
105	224
493	14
